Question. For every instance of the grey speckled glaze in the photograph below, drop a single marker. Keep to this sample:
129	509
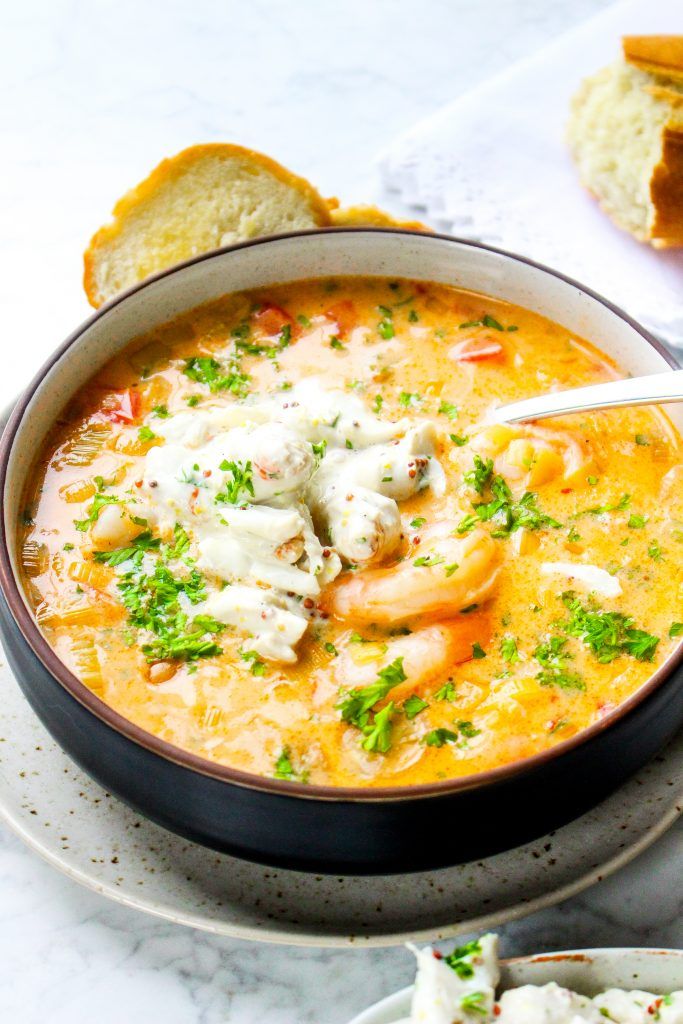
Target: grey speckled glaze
102	844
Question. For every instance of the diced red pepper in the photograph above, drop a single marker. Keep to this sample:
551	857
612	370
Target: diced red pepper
122	407
471	350
270	319
344	315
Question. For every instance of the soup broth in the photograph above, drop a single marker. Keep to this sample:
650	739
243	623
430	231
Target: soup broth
278	533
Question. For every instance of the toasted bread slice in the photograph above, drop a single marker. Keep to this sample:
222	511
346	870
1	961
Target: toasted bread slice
626	136
370	216
202	198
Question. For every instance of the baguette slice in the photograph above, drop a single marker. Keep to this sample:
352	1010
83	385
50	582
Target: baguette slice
626	136
370	216
202	198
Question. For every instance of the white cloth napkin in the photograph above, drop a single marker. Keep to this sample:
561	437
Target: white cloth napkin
493	166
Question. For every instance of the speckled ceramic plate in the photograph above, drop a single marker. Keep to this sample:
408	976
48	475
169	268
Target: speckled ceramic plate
588	971
101	843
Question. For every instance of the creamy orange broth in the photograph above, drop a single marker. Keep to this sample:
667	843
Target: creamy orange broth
494	705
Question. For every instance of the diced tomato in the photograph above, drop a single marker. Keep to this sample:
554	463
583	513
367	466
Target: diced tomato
344	315
122	407
270	319
471	350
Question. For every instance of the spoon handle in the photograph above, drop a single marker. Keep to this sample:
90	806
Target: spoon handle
657	389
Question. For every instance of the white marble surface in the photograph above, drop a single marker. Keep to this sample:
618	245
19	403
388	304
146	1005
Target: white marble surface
93	95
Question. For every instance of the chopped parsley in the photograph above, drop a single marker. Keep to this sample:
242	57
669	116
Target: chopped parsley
331	649
553	658
385	328
413	705
143	542
511	515
446	692
407	398
478	651
676	629
429	560
284	768
417	522
357	706
99	501
458	959
642	439
303	320
152	602
480	474
146	433
448	409
508	650
439	737
654	551
258	667
207	370
607	634
413	317
161	411
241	474
378	403
336	343
474	1002
636	522
599	510
459	439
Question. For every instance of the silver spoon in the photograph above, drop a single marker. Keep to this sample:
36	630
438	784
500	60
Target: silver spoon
657	389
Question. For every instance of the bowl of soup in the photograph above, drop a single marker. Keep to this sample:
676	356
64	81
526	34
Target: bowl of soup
270	574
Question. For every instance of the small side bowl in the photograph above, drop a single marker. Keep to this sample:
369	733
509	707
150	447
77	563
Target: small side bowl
587	971
320	828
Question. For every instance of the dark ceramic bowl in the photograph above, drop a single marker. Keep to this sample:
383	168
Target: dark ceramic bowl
317	828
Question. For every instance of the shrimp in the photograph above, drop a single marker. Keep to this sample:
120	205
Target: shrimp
427	654
533	455
449	574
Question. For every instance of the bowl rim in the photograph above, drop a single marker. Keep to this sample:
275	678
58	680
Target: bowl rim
28	627
398	1001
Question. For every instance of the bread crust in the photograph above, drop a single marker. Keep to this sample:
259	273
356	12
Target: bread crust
658	55
172	168
363	215
662	56
666	192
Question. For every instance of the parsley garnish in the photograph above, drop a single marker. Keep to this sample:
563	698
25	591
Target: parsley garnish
480	474
459	439
385	329
478	651
152	604
241	481
357	705
143	542
448	409
553	658
607	634
417	522
161	411
446	692
413	705
508	650
439	737
457	959
676	629
429	560
207	370
407	398
146	433
512	515
258	667
284	768
474	1002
